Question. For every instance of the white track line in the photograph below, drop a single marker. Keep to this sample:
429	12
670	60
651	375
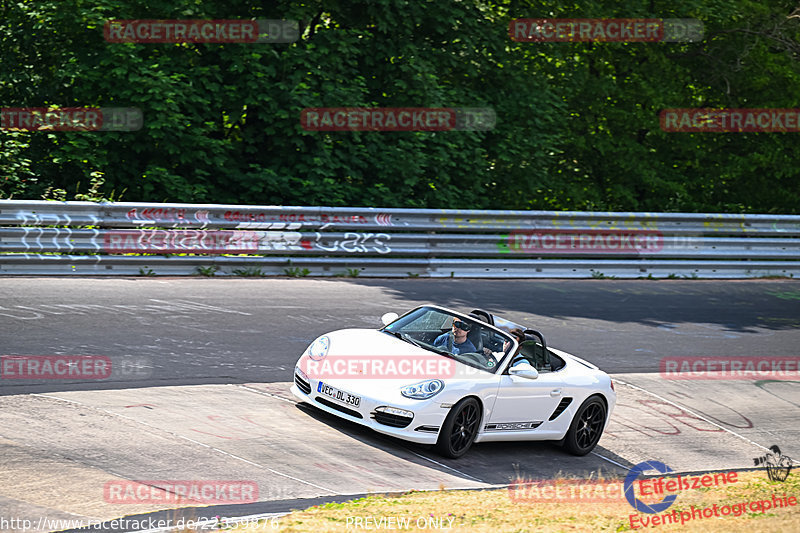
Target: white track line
445	466
265	393
418	454
610	460
682	408
223	452
410	451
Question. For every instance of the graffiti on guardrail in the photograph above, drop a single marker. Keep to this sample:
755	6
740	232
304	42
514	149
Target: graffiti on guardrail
79	238
33	218
203	242
263	220
472	223
724	225
180	241
175	216
156	215
195	241
578	222
355	242
248	216
48	239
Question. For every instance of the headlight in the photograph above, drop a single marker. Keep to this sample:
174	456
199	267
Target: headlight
423	390
319	348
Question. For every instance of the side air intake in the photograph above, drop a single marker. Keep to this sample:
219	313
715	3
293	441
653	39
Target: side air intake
563	404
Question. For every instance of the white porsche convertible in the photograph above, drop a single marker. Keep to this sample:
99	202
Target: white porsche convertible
437	376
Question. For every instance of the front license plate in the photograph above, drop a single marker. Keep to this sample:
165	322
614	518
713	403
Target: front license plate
339	395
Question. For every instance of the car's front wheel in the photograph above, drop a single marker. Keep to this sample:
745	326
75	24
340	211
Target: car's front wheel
460	428
586	427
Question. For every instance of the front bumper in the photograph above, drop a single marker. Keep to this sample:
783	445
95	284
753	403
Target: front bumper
423	428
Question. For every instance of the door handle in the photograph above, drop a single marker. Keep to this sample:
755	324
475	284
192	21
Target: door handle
555	392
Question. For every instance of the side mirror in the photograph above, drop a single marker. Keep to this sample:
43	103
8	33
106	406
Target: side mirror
524	370
388	318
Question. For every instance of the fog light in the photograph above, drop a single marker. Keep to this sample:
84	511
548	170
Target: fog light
395	411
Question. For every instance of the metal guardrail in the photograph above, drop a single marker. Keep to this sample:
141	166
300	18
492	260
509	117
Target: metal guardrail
85	238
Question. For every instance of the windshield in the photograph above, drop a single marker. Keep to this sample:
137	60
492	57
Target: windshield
465	339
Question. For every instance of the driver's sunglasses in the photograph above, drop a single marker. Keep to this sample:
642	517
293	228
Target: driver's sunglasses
462	325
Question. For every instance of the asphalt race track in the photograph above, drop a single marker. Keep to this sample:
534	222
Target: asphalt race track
201	388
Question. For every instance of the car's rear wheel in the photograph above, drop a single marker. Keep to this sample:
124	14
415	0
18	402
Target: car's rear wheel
460	428
586	428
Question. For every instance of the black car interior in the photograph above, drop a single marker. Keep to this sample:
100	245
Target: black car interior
484	337
534	350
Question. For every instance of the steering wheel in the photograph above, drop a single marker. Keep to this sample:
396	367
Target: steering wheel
485	360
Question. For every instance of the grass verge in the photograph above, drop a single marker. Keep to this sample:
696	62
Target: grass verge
497	510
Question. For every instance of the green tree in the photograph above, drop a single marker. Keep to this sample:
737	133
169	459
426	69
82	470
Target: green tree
577	123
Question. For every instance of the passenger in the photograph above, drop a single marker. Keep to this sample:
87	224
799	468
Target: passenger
460	343
517	334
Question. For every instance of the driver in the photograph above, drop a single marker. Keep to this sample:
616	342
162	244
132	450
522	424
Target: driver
460	343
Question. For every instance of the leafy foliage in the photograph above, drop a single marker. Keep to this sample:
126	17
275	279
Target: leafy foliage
577	123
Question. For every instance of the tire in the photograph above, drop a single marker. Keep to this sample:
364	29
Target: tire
586	428
459	429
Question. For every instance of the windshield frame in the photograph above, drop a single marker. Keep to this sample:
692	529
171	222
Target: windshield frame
502	361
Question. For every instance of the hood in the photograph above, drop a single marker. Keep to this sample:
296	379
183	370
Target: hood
365	359
372	343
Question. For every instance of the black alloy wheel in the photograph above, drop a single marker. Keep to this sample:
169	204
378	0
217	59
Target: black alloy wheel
587	427
460	428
